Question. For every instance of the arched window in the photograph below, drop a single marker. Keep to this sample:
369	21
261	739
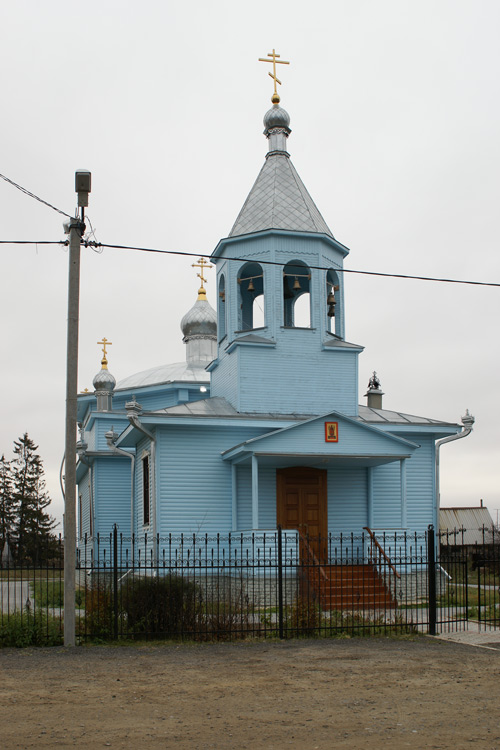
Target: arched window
251	296
221	313
296	295
332	287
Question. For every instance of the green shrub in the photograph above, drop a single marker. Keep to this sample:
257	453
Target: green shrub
51	594
30	628
99	615
162	606
303	617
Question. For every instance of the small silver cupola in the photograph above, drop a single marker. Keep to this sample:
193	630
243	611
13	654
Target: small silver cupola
374	393
104	382
199	326
276	128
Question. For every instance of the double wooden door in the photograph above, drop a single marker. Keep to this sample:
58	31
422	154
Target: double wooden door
301	494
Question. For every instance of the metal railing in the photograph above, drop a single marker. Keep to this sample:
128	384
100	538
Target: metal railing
259	584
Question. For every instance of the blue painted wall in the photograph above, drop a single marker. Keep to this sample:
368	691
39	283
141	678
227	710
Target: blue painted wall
112	494
296	374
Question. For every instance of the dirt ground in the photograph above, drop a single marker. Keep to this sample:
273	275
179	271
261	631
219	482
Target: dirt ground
352	693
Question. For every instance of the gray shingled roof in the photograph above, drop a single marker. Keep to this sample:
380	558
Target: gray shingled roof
279	200
217	406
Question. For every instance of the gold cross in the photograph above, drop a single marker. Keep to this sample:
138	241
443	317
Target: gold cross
202	264
105	343
272	58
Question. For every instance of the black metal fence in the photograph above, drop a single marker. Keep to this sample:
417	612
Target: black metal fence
276	584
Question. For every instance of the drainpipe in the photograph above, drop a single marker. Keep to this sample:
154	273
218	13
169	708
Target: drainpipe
133	410
111	438
468	422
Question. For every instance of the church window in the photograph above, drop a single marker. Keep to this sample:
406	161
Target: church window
332	316
145	490
297	295
221	317
251	297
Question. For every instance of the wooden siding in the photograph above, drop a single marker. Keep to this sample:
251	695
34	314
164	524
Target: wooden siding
299	375
267	497
195	485
224	380
102	426
84	493
155	398
347	500
277	380
244	497
420	483
309	437
112	494
143	447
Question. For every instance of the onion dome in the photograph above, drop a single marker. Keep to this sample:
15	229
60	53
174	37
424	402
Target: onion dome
199	327
104	380
200	320
276	117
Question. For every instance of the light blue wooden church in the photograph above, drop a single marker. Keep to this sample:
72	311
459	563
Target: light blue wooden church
261	425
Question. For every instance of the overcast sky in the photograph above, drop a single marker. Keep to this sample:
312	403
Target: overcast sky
395	117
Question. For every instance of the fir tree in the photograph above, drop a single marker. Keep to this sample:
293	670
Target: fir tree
33	525
7	503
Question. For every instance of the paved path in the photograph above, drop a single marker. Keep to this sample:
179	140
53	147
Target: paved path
475	635
14	595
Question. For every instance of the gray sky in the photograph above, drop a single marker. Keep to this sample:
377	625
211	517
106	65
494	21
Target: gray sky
395	118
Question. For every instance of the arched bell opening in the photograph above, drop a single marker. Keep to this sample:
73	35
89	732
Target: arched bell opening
221	309
332	310
297	295
251	297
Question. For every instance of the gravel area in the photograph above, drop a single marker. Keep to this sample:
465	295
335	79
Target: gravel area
349	693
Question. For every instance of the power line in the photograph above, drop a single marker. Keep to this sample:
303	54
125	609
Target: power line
33	242
32	195
97	245
315	268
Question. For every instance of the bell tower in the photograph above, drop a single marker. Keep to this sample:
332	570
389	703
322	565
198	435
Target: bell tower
281	330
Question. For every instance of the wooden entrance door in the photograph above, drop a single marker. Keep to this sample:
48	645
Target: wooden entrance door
302	504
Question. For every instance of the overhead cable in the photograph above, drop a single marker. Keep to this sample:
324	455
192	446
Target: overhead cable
315	268
32	195
97	245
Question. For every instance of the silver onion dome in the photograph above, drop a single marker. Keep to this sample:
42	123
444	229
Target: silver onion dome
200	321
276	117
104	380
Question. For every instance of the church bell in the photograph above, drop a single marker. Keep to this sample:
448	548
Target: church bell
331	302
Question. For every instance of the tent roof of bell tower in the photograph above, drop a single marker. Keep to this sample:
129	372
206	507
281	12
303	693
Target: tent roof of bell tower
279	198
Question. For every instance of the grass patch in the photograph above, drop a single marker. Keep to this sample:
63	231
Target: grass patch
30	628
462	596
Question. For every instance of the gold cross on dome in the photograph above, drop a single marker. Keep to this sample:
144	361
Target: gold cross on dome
105	343
272	58
202	264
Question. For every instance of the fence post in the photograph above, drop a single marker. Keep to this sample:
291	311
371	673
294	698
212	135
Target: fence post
479	561
431	568
280	583
115	582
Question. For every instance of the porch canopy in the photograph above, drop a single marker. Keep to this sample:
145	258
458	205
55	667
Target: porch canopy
332	440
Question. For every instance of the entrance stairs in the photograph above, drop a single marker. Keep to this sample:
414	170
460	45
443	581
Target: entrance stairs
348	587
